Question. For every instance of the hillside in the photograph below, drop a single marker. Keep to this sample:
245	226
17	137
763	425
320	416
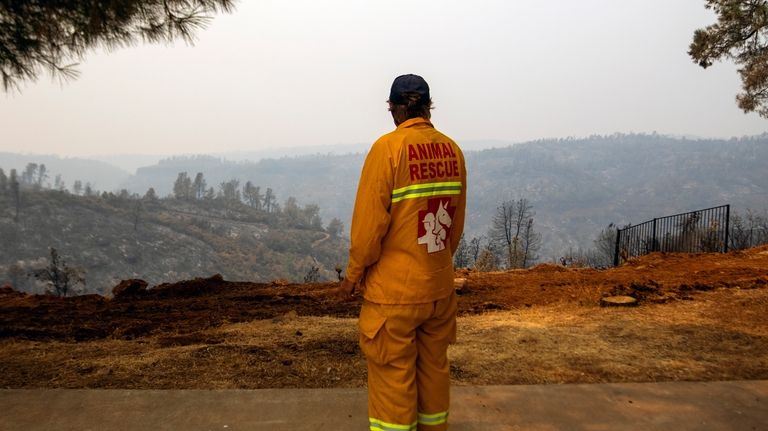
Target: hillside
113	238
577	186
700	317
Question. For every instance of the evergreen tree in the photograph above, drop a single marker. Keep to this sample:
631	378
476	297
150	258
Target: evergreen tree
138	208
123	195
42	175
739	35
182	187
15	193
58	183
291	212
77	187
310	216
3	182
210	194
252	195
151	195
335	228
40	35
29	175
198	186
230	190
269	200
189	192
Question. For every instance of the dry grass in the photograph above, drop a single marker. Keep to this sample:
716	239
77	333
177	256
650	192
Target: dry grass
701	317
721	335
688	340
289	351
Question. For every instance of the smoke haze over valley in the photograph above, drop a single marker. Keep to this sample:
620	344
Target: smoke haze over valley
576	186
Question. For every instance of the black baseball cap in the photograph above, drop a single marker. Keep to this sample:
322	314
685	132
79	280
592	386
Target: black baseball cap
408	84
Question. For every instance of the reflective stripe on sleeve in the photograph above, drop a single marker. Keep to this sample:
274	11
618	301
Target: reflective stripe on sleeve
379	425
433	419
429	189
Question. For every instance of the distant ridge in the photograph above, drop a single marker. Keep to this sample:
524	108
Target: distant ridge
101	175
577	185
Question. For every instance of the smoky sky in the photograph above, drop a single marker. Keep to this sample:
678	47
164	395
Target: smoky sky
283	74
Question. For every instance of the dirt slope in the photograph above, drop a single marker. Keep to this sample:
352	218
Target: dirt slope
701	316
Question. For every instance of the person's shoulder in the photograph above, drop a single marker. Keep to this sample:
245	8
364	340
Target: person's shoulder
382	142
382	146
394	134
447	139
391	138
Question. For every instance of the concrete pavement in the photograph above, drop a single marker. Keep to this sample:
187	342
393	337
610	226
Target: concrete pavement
676	406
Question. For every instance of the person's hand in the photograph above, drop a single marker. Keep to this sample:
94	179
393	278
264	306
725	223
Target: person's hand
345	290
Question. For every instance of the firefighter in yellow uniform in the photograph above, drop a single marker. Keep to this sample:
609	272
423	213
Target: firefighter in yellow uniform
407	221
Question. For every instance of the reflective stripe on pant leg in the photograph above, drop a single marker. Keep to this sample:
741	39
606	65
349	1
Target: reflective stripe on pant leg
433	370
433	419
377	425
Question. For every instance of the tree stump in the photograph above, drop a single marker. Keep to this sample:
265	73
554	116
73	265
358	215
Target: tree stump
618	301
460	285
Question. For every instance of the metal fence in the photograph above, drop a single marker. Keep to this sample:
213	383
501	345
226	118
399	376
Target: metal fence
692	232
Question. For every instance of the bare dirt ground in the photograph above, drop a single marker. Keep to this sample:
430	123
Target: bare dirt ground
700	317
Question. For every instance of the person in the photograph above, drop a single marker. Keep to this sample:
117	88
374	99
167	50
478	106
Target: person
407	222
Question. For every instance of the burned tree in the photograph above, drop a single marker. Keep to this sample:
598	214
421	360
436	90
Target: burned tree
59	276
513	231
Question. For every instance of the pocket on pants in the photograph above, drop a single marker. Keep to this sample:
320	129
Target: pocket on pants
370	324
452	306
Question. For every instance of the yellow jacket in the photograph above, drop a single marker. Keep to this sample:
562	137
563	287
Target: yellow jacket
409	216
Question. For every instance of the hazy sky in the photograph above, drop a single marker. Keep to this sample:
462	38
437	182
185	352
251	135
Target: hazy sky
308	72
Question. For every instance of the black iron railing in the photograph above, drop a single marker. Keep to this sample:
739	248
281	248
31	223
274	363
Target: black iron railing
692	232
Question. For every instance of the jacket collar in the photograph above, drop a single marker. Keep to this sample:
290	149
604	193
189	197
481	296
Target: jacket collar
414	121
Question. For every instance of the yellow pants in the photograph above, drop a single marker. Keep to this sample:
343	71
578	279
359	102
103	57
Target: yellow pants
408	374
